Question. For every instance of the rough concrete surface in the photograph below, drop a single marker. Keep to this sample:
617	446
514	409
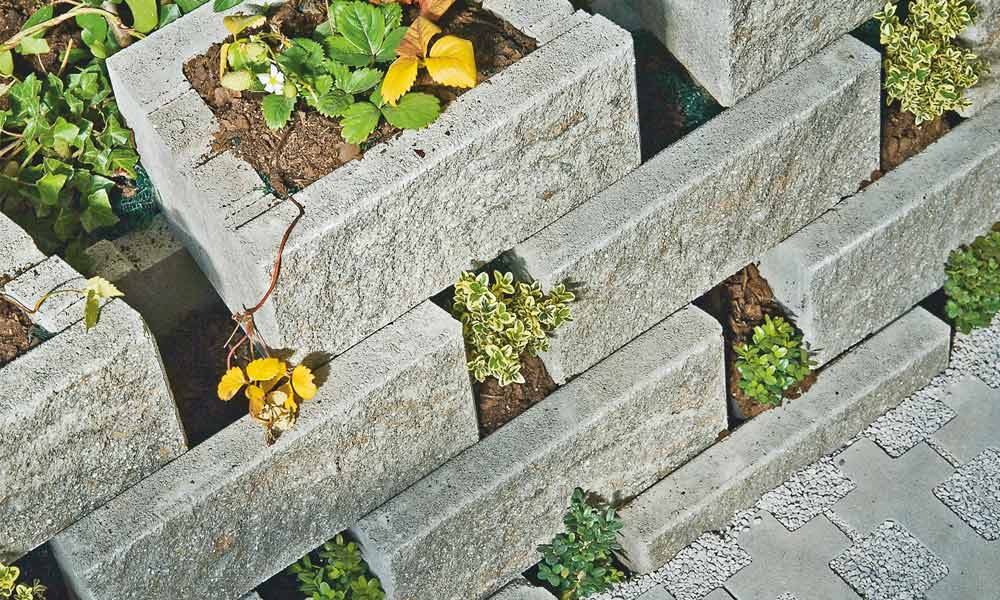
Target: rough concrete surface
18	252
521	589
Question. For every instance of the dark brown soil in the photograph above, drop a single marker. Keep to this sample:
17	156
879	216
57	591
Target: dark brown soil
311	146
195	360
902	139
13	14
15	331
741	302
498	405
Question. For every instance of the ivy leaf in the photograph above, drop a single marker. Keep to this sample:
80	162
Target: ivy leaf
277	110
360	120
415	110
221	5
98	212
145	14
122	161
452	62
67	224
115	134
30	46
49	187
168	14
39	16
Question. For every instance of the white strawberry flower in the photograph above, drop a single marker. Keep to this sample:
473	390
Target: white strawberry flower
274	82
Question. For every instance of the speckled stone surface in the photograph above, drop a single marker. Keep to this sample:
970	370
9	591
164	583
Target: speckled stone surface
521	589
232	512
975	427
910	423
475	523
735	47
807	494
704	566
973	492
18	252
890	564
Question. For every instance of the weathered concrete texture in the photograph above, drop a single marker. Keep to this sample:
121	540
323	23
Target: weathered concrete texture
84	416
985	32
734	473
623	12
473	525
879	253
709	204
987	91
735	47
383	233
521	589
18	252
232	512
52	276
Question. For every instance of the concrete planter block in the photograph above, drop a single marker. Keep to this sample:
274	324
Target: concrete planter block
520	589
985	33
879	253
731	475
84	415
18	252
232	512
399	225
473	525
735	47
709	204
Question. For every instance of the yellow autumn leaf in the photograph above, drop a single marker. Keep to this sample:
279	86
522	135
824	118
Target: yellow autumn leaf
102	288
223	60
256	397
284	397
434	9
399	78
237	23
452	62
231	383
303	382
417	38
265	369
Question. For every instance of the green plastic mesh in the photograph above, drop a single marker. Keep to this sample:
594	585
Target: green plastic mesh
138	210
697	105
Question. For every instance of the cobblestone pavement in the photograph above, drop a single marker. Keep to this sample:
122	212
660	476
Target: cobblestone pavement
910	510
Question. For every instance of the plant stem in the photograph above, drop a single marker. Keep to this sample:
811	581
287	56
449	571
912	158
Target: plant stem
72	13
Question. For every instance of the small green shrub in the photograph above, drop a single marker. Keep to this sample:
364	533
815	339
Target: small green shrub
339	573
503	320
973	283
10	588
925	70
775	361
578	562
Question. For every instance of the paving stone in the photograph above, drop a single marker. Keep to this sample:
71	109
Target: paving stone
232	512
657	593
890	564
734	473
735	47
61	310
787	596
475	523
704	566
252	596
709	204
978	354
975	428
18	252
85	415
623	12
910	423
857	268
521	589
791	563
719	594
973	492
807	494
400	225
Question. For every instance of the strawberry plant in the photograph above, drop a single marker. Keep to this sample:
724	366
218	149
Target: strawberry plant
336	572
773	363
973	283
503	320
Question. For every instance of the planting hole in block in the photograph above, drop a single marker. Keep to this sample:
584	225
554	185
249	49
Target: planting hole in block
39	566
342	552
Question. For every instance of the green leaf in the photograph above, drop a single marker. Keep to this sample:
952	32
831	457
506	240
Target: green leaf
122	161
91	311
190	5
392	40
277	110
334	103
168	14
415	110
361	80
98	212
145	14
30	46
342	50
221	5
39	16
363	25
237	80
115	134
360	120
6	63
49	188
67	224
97	25
393	15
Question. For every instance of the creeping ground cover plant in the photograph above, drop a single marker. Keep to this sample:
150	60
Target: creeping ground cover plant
773	363
973	282
503	320
341	70
926	71
336	572
11	589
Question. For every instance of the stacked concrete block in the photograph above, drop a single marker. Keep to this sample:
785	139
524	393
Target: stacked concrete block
735	47
520	589
232	511
84	415
709	204
984	38
731	475
397	226
882	251
473	525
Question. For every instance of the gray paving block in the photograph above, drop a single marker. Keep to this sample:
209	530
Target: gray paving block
60	310
18	252
879	253
977	422
656	593
623	12
791	563
704	566
734	473
987	91
232	512
735	47
985	32
472	525
973	492
719	594
397	226
978	354
709	204
521	589
807	494
890	564
910	423
85	416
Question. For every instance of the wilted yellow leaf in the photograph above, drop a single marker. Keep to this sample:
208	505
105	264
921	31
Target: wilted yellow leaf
223	59
265	369
231	383
237	23
303	382
284	397
417	38
434	9
256	397
452	62
102	288
399	78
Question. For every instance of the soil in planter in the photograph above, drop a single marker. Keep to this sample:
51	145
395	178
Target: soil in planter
497	405
741	303
902	139
13	14
15	331
311	146
40	564
195	361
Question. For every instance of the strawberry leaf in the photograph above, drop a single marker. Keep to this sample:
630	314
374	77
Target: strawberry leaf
415	110
277	110
360	120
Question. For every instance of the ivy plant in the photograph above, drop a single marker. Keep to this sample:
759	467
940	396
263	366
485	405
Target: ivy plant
925	69
973	283
93	292
337	572
503	320
10	588
773	363
578	562
338	71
